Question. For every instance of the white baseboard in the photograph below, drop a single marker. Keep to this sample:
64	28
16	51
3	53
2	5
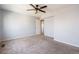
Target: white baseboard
17	37
67	43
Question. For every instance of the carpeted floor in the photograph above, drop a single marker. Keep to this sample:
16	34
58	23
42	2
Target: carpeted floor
36	45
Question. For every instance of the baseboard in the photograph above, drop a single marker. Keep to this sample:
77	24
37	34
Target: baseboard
49	38
17	37
0	39
77	46
22	37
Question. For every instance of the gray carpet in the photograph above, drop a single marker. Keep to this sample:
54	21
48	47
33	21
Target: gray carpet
38	44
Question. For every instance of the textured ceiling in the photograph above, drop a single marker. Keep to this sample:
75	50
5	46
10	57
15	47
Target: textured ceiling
22	8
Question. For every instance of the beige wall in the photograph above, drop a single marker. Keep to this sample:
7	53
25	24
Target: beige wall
18	25
64	27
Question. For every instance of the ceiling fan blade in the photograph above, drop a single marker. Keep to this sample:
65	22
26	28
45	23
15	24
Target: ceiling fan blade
41	10
43	7
30	9
33	6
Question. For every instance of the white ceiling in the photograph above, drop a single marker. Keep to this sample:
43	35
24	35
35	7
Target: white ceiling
22	8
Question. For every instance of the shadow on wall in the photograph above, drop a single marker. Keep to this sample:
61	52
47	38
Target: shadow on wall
1	25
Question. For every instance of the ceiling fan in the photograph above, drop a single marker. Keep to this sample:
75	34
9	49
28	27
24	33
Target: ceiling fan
37	8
